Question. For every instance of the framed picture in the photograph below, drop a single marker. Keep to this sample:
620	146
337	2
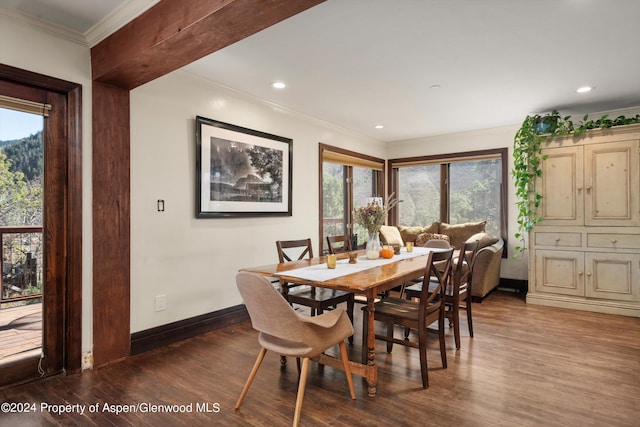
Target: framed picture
241	172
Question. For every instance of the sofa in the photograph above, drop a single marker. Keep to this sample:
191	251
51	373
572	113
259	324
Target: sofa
486	274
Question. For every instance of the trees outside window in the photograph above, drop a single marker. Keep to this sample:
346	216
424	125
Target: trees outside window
454	188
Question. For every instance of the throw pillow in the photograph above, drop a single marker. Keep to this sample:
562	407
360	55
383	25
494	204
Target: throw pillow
390	235
483	239
458	233
409	234
423	238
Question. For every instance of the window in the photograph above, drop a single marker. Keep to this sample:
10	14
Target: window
348	179
454	188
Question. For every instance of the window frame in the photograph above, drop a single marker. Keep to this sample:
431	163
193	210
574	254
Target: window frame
348	159
445	160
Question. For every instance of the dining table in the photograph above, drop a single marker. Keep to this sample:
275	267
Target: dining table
365	277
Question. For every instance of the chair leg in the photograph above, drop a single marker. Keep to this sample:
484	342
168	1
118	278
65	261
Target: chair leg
455	314
469	316
389	336
422	347
301	386
443	350
350	304
347	369
252	375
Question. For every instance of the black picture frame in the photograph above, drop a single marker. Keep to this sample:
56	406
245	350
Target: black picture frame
241	172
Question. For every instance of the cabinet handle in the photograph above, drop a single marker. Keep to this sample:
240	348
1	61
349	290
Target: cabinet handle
557	239
589	274
580	273
588	187
614	241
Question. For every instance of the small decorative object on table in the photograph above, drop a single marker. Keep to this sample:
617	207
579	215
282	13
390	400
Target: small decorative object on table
386	252
372	217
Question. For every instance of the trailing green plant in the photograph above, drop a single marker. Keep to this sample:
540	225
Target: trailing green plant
527	161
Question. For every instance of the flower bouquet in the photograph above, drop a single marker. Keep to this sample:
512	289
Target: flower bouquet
371	217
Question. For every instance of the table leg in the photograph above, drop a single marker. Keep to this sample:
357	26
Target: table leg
369	347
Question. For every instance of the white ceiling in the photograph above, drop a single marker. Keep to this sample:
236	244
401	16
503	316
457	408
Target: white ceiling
421	67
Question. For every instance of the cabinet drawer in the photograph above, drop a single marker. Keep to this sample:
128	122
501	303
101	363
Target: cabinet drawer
558	239
613	241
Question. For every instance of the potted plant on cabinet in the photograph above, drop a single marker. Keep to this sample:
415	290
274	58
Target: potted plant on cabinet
528	157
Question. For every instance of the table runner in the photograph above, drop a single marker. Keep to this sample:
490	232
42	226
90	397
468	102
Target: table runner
320	272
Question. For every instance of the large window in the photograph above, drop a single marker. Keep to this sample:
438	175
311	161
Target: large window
348	179
455	188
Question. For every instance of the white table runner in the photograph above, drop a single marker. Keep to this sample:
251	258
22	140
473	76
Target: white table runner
320	272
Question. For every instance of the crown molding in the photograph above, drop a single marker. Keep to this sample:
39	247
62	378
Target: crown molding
121	16
44	26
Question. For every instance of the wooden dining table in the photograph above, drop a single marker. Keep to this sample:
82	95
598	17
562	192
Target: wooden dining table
369	280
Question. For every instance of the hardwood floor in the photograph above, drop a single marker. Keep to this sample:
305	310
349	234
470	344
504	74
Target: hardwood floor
526	366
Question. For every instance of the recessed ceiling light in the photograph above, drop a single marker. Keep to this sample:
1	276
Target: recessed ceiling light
278	85
379	127
584	89
435	87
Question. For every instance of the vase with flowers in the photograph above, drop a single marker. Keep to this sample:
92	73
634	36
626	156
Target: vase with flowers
371	217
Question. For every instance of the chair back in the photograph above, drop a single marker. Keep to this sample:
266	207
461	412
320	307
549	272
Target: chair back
463	269
270	313
338	244
438	270
287	248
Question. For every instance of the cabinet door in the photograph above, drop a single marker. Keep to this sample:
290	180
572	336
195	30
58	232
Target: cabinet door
611	184
613	276
560	272
561	187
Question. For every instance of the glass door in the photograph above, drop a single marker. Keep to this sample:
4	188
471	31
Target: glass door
21	202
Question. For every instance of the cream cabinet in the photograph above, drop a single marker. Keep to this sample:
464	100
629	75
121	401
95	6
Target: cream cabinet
585	254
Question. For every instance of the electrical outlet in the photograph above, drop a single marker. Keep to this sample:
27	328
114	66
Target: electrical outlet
161	302
87	361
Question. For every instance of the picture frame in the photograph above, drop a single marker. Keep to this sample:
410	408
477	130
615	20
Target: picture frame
241	172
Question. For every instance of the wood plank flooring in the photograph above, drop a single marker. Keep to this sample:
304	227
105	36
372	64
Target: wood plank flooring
526	366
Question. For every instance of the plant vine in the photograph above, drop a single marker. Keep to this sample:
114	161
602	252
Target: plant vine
528	157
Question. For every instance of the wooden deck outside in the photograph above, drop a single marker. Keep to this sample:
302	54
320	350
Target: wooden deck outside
20	332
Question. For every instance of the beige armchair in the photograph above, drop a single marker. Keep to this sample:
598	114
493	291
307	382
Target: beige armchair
288	333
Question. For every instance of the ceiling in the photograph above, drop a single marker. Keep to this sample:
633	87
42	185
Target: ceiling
419	67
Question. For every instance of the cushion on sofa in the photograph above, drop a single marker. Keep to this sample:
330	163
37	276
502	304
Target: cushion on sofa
458	233
483	239
423	238
409	234
390	235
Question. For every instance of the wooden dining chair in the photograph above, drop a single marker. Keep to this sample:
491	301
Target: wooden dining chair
284	331
317	299
417	315
458	293
338	244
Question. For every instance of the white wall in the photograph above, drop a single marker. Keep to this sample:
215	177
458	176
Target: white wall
194	261
27	47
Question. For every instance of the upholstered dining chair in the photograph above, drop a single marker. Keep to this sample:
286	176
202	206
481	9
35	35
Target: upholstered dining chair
458	291
283	331
317	299
418	315
338	244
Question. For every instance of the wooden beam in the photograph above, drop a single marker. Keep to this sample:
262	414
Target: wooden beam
111	224
173	34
